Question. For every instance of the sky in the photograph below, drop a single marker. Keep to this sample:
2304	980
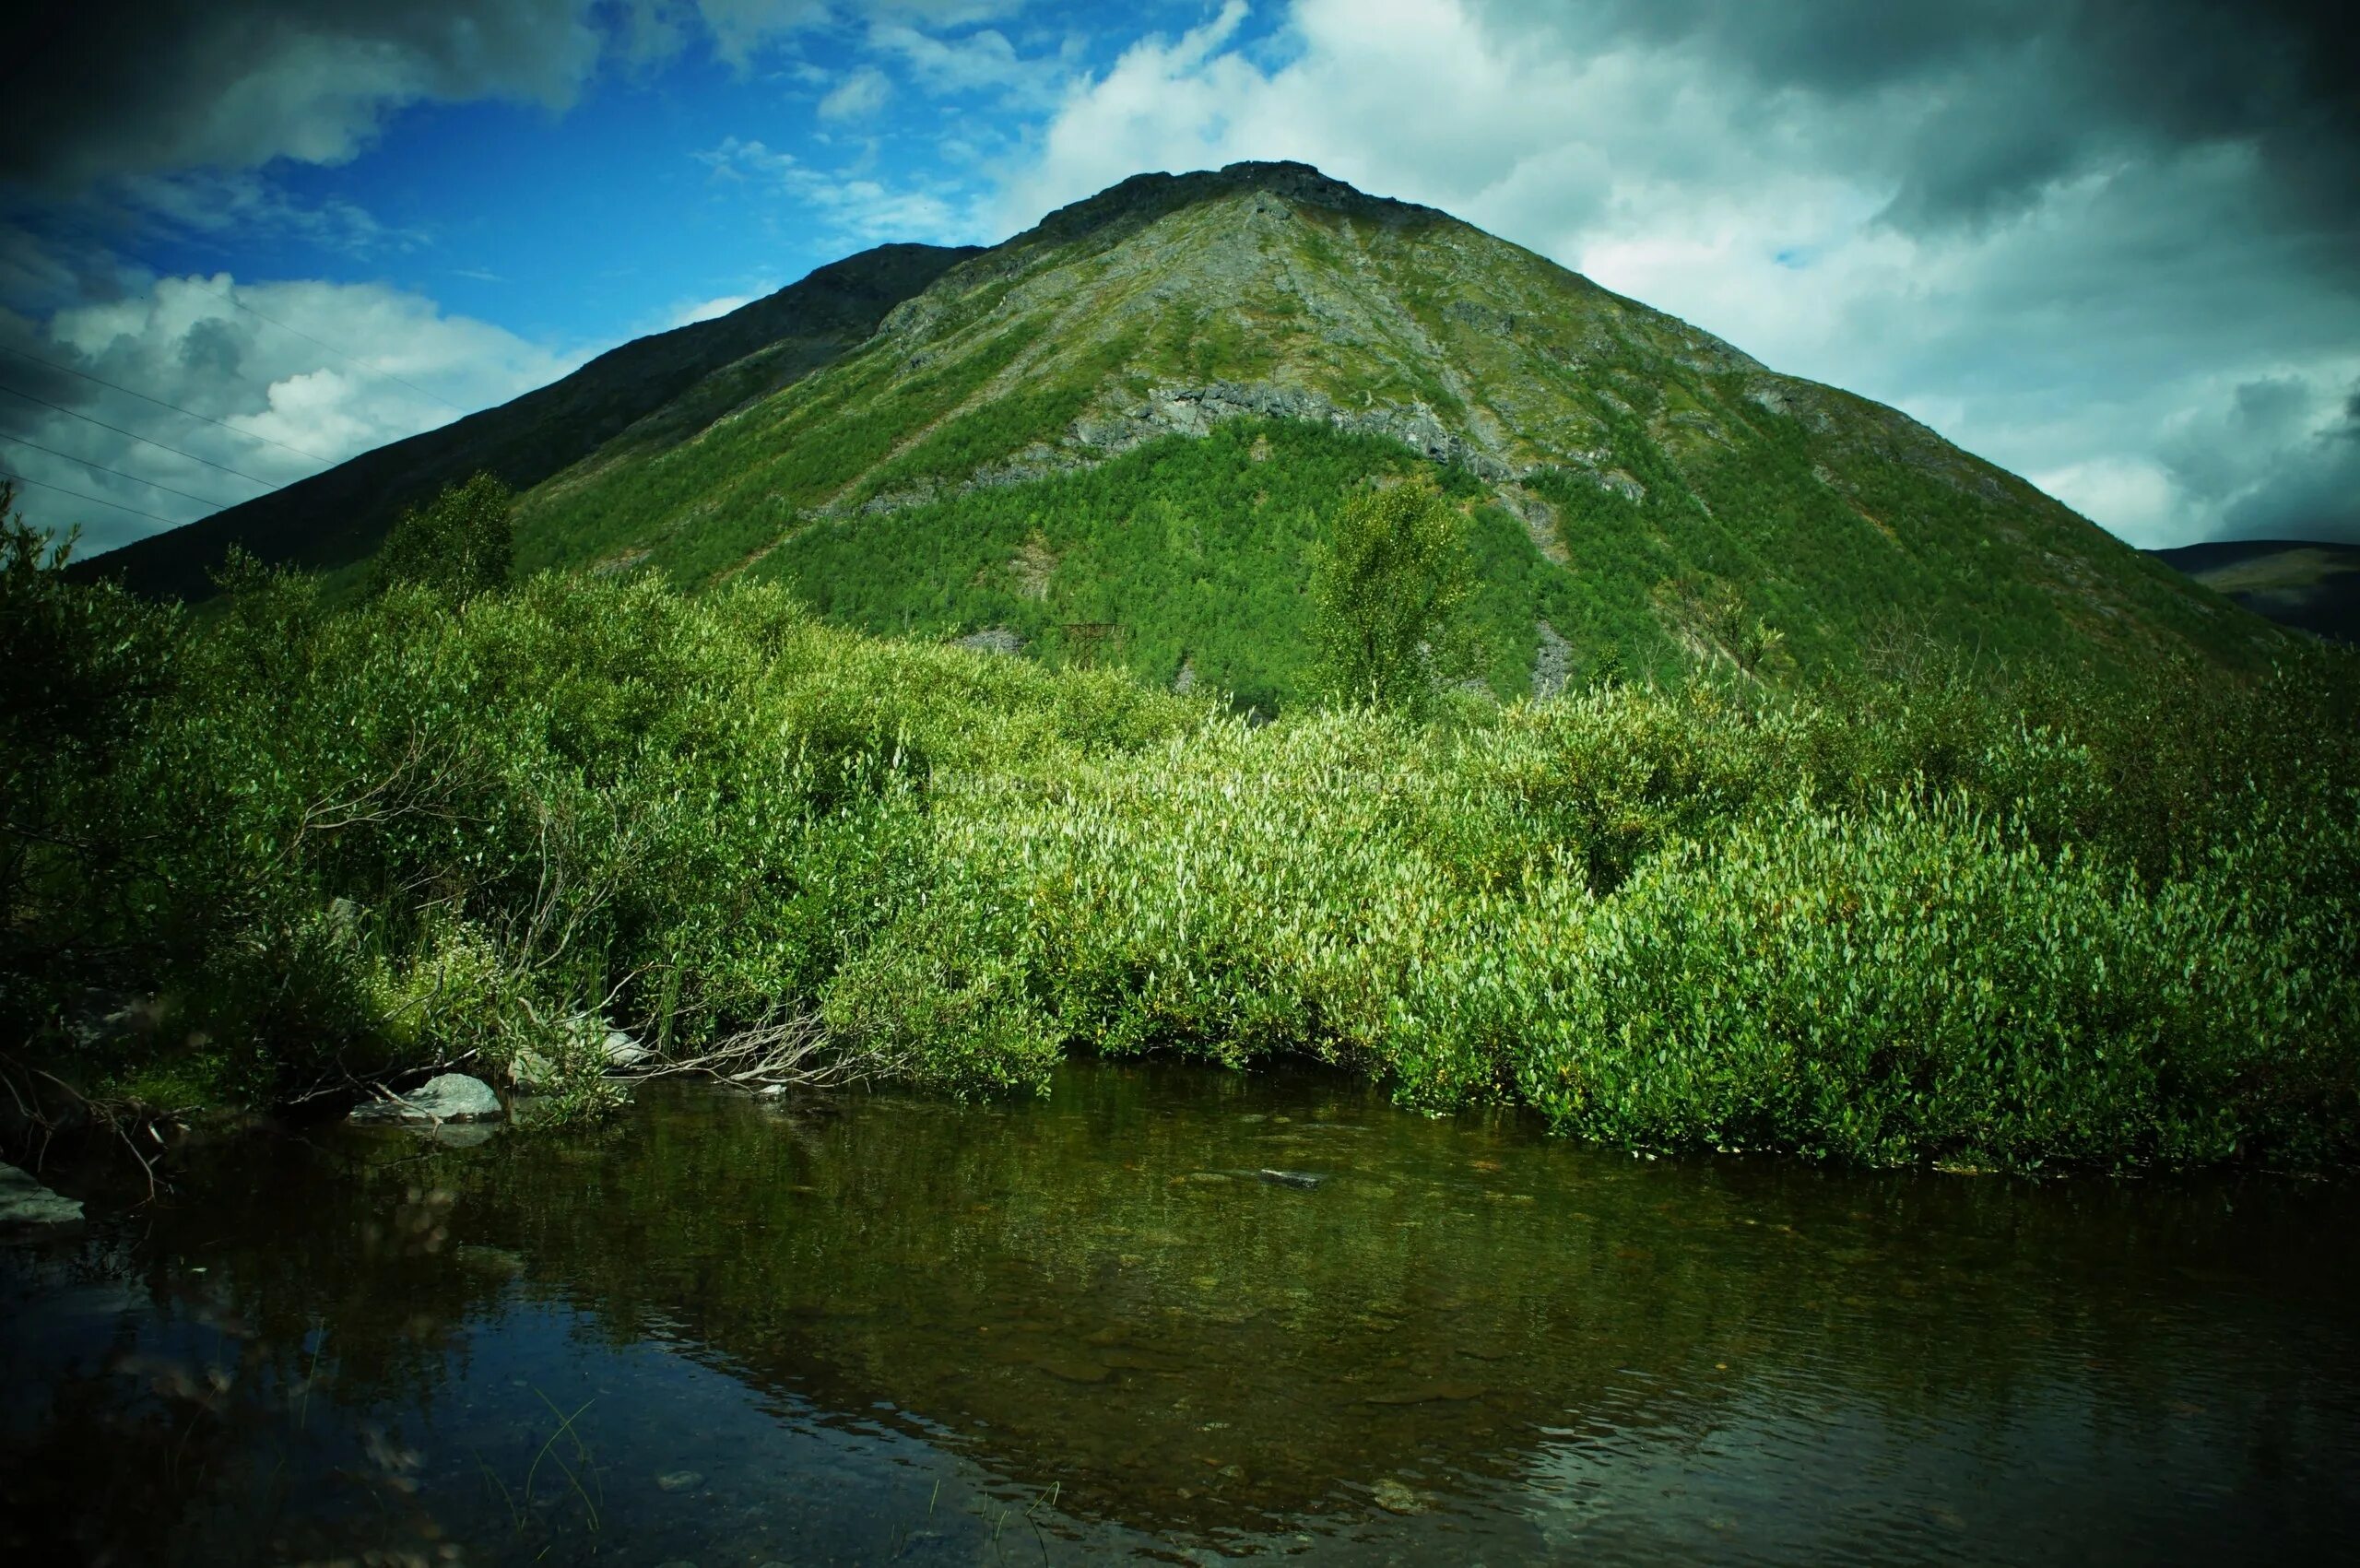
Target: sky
2113	245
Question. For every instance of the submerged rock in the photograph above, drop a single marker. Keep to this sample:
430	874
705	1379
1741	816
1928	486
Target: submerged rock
454	1097
680	1481
26	1205
1303	1179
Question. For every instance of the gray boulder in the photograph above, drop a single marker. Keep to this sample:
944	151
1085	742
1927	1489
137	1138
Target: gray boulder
26	1205
623	1053
454	1097
618	1052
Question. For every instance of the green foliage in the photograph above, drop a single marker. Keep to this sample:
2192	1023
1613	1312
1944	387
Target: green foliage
1388	589
86	668
1910	917
461	543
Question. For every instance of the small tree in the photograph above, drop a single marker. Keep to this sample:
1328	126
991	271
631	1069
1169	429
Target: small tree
86	665
1388	591
461	542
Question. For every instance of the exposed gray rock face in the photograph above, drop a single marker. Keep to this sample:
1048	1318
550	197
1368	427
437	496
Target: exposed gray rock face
1195	410
454	1097
27	1205
993	640
1539	520
1552	662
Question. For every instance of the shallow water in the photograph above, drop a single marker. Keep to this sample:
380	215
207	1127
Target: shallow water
881	1328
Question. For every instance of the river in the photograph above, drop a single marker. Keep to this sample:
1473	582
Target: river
1171	1314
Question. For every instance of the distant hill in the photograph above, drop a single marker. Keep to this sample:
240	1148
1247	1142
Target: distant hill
1118	435
695	371
2305	584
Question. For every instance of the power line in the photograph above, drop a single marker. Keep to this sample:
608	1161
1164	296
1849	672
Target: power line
353	359
78	495
251	435
266	484
103	468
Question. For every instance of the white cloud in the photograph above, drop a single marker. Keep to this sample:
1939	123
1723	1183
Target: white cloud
853	204
741	27
984	61
289	406
858	97
706	310
2066	332
2135	493
233	84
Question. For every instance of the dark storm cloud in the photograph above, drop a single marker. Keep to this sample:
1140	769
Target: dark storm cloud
2270	468
2312	494
1977	105
95	90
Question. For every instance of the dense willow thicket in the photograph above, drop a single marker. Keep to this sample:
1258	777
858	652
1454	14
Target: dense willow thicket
1908	917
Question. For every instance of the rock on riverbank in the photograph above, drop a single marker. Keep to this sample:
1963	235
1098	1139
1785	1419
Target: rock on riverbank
454	1097
26	1205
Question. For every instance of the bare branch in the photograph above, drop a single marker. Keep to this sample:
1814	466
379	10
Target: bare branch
782	1053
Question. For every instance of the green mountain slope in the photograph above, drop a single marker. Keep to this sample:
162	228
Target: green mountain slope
1119	433
637	394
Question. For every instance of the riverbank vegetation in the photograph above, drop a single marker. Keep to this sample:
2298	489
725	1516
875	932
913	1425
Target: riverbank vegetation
1921	914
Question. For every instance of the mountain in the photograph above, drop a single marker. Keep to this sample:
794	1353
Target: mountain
1119	436
693	372
2310	584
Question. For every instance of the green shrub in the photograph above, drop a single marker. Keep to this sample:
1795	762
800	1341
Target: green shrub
1389	587
1900	985
461	543
1895	921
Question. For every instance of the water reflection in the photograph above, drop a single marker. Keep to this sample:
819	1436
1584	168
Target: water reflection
1175	1311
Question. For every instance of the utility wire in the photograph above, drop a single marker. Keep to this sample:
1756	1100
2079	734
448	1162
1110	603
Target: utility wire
78	495
250	435
103	468
354	358
74	413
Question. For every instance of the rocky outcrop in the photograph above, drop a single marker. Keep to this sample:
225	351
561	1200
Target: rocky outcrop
454	1097
993	640
27	1207
1195	410
1552	664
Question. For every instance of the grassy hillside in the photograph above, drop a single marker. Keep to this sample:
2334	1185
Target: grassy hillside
1132	420
638	396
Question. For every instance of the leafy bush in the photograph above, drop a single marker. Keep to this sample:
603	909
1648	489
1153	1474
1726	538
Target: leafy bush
461	543
1388	587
